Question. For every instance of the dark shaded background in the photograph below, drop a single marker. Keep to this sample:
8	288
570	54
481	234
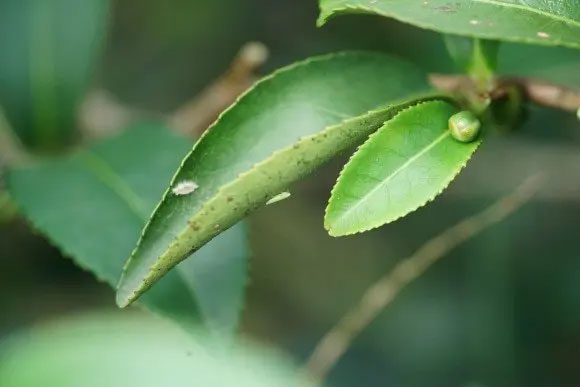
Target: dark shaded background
502	310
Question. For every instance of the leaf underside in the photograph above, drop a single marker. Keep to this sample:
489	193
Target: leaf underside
527	21
93	204
402	166
282	129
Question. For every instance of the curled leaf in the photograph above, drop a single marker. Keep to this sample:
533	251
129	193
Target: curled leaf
287	125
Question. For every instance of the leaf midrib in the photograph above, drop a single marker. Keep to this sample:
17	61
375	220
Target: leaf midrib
110	178
393	174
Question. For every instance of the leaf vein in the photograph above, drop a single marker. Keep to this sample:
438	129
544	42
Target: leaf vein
107	175
395	173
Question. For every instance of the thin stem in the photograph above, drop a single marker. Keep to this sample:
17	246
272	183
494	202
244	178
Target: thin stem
196	115
483	64
336	342
102	114
549	95
537	91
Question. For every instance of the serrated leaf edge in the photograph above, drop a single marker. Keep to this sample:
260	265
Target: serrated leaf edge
159	268
427	201
275	73
173	180
98	275
166	261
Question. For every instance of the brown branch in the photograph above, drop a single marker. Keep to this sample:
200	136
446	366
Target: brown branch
540	92
195	116
102	114
451	83
336	342
549	95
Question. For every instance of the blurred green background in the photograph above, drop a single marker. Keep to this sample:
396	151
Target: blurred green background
501	310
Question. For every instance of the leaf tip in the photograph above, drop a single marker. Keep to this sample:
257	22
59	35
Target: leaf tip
124	298
333	229
335	233
322	19
136	280
130	288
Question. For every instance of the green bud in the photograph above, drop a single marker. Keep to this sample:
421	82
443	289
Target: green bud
464	126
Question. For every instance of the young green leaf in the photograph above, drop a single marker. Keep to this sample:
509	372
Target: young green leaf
282	129
93	204
532	21
48	54
401	167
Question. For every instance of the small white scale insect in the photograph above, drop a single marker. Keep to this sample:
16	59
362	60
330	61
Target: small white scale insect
184	187
281	196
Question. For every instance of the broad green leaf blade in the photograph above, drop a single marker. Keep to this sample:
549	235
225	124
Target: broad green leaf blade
108	350
93	205
529	21
48	54
401	167
282	129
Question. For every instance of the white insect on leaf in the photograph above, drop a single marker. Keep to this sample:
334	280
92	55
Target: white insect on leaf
281	196
543	35
184	187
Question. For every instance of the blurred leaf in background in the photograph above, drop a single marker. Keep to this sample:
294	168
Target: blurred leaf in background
167	51
94	203
49	49
108	350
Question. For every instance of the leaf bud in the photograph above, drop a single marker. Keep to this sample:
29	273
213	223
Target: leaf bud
464	126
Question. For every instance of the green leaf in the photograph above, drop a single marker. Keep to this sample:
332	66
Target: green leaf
531	21
93	204
401	167
287	125
49	49
101	350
